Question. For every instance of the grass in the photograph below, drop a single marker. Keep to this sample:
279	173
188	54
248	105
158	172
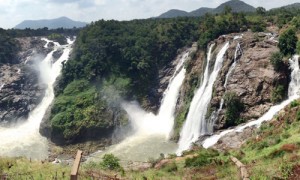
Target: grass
21	168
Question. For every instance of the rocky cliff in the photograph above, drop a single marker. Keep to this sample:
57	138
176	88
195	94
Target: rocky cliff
253	79
20	88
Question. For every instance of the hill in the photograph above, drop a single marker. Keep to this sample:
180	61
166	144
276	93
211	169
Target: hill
174	13
290	6
236	6
62	22
200	12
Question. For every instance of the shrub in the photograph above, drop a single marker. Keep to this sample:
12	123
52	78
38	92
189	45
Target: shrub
276	61
276	153
170	167
278	94
110	162
233	109
287	42
205	157
294	103
286	169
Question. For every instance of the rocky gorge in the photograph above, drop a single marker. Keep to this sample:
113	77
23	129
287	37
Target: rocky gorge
21	88
252	79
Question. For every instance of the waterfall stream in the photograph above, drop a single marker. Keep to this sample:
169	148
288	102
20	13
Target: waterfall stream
293	94
151	132
24	139
196	124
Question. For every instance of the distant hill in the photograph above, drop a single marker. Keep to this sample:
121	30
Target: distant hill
291	6
174	13
62	22
200	12
236	6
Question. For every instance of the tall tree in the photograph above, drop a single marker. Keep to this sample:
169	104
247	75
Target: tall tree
287	42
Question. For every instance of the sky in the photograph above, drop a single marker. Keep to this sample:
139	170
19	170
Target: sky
13	12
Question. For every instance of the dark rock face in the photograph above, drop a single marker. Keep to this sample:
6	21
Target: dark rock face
20	89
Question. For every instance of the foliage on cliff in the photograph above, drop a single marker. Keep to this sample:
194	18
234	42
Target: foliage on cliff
8	48
134	49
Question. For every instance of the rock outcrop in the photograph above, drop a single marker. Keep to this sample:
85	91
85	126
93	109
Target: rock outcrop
253	79
20	88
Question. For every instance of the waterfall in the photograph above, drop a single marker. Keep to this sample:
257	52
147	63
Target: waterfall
293	94
237	49
215	114
151	132
24	139
162	123
195	124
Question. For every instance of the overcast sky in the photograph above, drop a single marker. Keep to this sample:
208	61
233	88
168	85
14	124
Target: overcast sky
13	12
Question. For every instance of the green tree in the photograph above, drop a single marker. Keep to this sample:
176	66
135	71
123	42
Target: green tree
276	61
261	10
110	162
287	42
234	107
278	94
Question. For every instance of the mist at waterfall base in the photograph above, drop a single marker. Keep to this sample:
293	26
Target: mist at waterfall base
150	136
293	94
196	124
24	139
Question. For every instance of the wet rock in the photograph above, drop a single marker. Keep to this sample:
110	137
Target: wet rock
56	54
21	88
253	79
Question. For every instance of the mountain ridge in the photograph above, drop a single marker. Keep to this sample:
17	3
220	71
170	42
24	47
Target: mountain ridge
61	22
236	6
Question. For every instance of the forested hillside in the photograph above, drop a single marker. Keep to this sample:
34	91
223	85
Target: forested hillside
114	61
8	48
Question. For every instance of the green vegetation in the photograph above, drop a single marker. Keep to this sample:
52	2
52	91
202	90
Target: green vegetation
133	50
204	157
277	61
287	42
278	94
215	25
58	38
233	109
8	48
110	162
76	112
298	47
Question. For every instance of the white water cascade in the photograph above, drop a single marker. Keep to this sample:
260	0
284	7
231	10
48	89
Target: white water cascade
151	132
293	94
2	85
237	49
215	114
195	124
24	139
